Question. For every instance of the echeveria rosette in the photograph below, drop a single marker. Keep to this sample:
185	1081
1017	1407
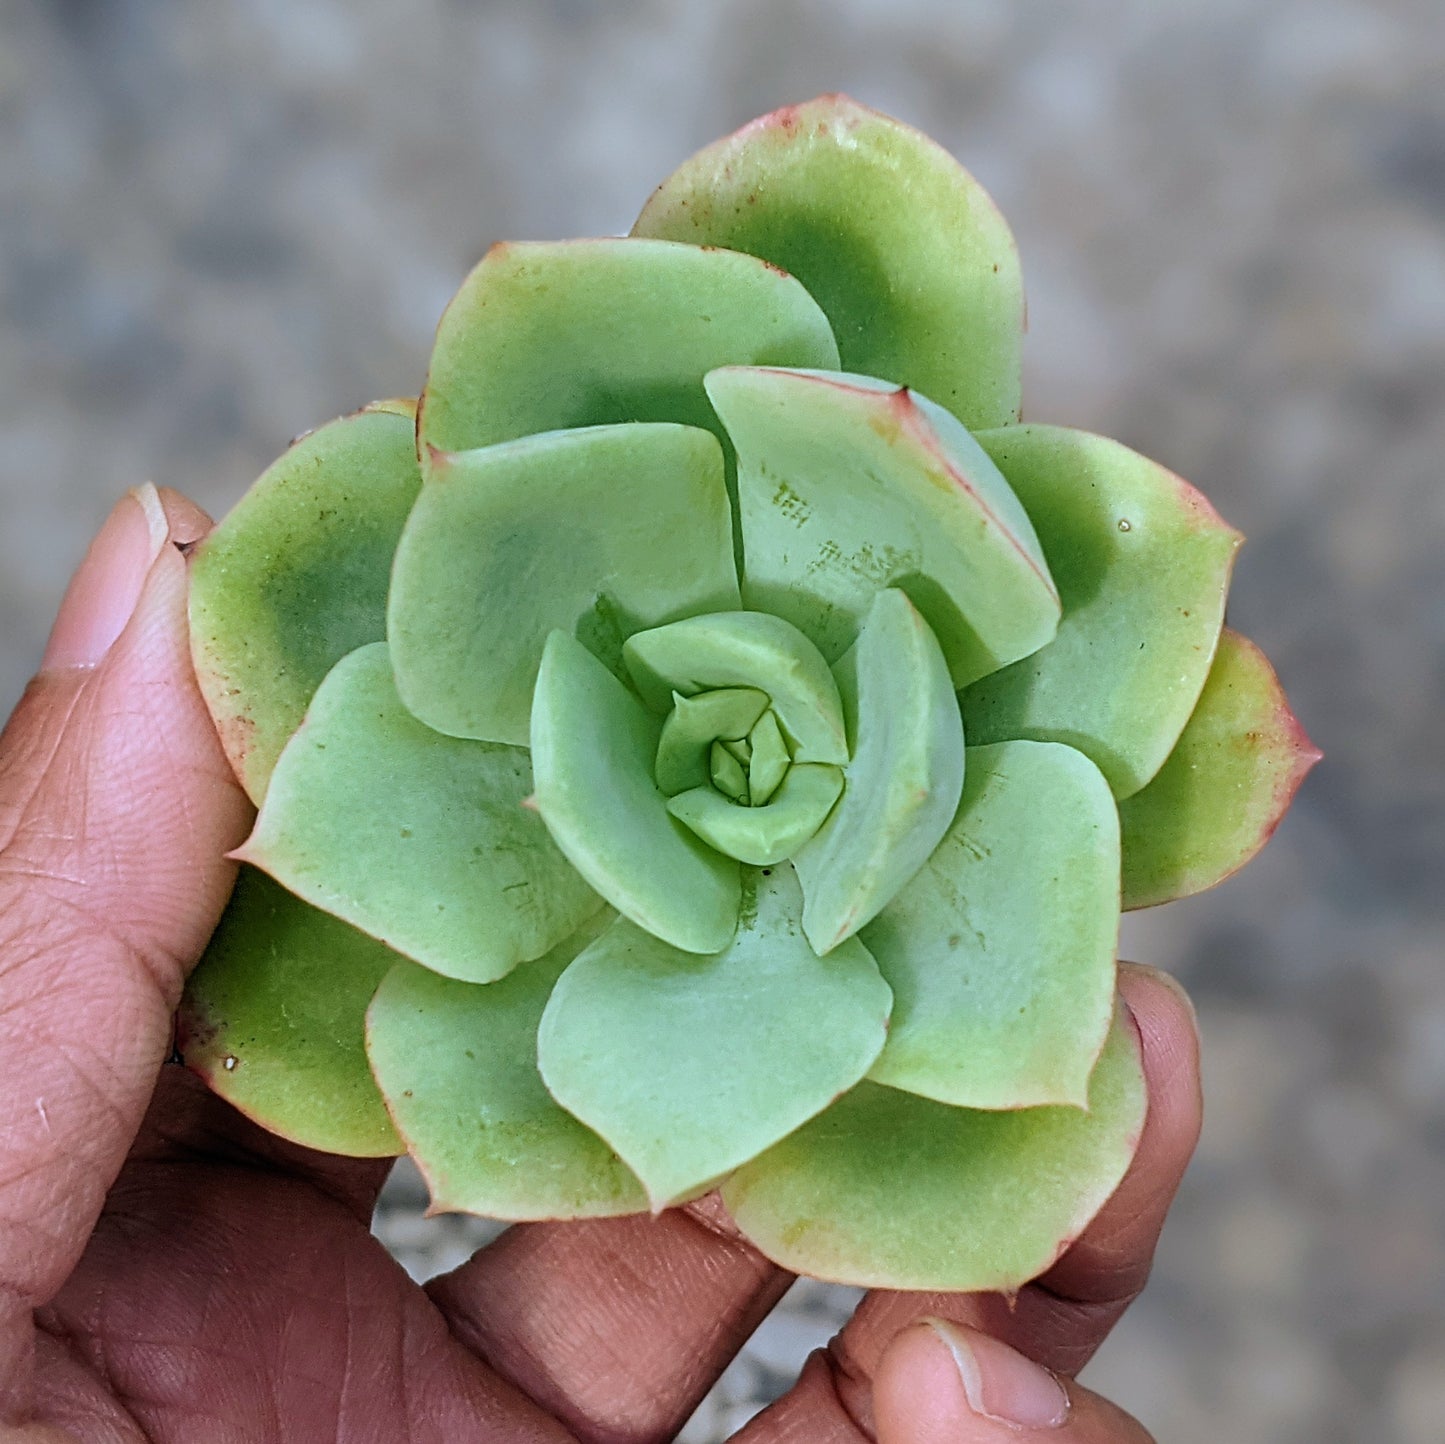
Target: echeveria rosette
708	740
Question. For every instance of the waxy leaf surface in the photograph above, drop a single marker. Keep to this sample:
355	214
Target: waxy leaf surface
903	782
1225	787
848	485
593	750
1142	563
689	1065
601	532
273	1020
418	839
769	833
458	1065
887	1189
745	649
685	747
552	334
1000	952
902	247
295	577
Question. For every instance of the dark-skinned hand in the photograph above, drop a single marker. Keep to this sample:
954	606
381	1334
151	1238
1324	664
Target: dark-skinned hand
171	1273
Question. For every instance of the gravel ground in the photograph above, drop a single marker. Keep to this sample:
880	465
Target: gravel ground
221	224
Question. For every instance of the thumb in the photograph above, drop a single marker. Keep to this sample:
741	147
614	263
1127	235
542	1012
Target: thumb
116	807
941	1383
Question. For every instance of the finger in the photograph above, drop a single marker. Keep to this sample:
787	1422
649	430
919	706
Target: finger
1063	1317
116	807
617	1327
942	1384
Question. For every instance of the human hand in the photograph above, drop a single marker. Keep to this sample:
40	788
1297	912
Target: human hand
170	1272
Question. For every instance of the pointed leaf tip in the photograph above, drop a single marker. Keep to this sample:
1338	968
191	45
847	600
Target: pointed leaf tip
1225	788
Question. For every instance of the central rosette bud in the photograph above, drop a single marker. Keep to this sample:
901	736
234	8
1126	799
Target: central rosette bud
751	755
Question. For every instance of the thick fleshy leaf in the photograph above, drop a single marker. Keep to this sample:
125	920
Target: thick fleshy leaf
769	833
418	839
890	1190
1000	952
295	577
601	532
273	1020
693	725
902	247
545	335
904	780
1142	563
688	1066
458	1065
745	649
847	485
768	759
593	747
1225	787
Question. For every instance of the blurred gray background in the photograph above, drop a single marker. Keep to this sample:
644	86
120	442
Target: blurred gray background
221	224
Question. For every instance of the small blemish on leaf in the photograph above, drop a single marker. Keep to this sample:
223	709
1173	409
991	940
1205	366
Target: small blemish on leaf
229	1062
1125	524
406	832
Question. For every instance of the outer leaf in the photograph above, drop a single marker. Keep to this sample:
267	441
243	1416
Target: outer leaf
688	1066
1225	787
1000	953
417	839
458	1065
769	833
848	485
889	1190
272	1019
904	780
593	746
1142	562
745	649
601	532
903	249
295	578
544	335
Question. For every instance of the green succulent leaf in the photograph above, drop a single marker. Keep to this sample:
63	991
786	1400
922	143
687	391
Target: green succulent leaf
1142	563
458	1065
546	335
272	1019
768	758
906	253
685	748
768	833
904	780
745	649
889	1190
296	577
593	749
418	839
1225	787
1000	952
847	485
601	531
689	1065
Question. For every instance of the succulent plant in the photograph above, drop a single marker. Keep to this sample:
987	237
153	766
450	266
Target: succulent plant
708	740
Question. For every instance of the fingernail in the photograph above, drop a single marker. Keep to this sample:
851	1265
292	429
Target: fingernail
1000	1383
107	585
